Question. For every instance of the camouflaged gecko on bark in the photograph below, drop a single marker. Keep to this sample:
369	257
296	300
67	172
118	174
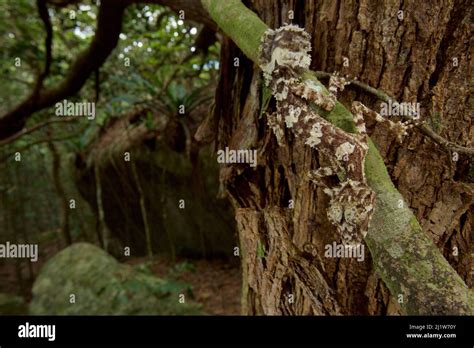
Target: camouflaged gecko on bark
284	56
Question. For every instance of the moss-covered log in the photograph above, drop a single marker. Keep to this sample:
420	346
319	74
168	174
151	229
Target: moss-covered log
411	266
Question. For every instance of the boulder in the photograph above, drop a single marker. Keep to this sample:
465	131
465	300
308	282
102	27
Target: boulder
84	280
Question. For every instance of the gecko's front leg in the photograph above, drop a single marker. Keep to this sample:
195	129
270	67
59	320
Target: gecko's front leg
313	93
360	111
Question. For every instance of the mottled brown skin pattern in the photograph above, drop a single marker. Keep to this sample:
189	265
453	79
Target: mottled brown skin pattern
284	56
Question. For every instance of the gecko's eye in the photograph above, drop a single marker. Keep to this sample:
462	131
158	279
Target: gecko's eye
350	213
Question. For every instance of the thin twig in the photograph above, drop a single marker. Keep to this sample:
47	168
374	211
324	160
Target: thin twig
37	126
14	79
26	147
422	126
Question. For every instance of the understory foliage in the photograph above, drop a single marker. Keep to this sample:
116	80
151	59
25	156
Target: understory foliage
155	66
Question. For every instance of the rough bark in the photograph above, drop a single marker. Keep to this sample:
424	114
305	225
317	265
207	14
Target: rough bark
403	255
278	277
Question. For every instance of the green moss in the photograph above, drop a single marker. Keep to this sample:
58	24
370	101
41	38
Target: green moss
422	270
242	25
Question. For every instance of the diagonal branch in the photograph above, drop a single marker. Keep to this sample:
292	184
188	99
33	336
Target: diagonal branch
40	141
109	24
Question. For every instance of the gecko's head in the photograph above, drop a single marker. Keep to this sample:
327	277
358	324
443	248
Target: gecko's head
287	47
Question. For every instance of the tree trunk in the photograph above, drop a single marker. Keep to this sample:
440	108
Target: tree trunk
281	218
61	194
143	210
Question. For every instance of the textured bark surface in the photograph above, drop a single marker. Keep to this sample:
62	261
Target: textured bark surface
411	59
279	278
414	60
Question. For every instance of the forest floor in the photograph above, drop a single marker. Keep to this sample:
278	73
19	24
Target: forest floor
216	283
